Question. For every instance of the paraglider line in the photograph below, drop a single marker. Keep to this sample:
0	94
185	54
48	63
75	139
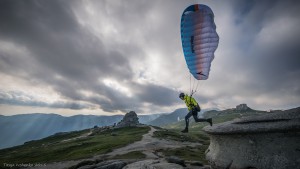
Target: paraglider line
190	84
197	86
193	84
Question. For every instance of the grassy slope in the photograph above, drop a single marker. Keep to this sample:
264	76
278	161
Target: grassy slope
52	149
217	116
187	153
197	135
131	155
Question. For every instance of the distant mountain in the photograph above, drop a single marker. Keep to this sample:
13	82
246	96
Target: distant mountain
175	116
145	119
218	116
169	118
17	129
239	111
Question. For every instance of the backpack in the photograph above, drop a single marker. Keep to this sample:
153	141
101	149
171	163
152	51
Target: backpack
198	108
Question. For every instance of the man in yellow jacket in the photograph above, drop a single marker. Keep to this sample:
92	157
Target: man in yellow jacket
193	108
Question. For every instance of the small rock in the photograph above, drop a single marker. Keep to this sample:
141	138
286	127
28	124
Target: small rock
251	141
144	164
176	160
87	167
196	163
152	164
205	167
88	164
111	165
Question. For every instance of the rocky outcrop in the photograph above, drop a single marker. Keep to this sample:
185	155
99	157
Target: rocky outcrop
242	107
268	141
130	119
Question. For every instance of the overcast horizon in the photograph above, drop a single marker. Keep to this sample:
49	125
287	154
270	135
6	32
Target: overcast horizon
107	57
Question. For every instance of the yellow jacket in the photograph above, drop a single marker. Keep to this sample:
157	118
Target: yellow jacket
190	102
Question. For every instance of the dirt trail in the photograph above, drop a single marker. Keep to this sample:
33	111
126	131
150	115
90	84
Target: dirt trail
149	144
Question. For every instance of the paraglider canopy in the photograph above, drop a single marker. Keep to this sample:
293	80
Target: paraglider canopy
199	39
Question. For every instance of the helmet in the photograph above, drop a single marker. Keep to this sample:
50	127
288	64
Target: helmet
181	95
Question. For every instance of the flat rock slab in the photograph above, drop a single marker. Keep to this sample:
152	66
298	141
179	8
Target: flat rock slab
283	121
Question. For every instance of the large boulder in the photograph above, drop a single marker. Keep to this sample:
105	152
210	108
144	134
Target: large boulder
130	119
268	141
242	107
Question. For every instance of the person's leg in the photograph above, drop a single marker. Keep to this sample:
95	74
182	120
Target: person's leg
187	120
195	115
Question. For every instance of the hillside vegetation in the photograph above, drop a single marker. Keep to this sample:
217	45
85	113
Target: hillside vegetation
36	126
187	153
86	144
71	146
217	116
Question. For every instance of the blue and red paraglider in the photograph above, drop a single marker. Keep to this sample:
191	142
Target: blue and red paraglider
199	39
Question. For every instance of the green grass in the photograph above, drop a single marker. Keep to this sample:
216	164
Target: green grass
218	117
188	153
131	155
176	135
196	134
52	149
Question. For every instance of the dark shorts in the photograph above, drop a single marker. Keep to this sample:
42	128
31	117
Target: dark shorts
195	115
192	113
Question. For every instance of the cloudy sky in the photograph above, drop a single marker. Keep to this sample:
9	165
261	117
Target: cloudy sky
112	56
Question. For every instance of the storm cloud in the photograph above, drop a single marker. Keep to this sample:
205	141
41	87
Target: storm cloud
115	56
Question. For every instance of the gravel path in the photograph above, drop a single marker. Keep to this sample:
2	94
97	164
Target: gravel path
149	144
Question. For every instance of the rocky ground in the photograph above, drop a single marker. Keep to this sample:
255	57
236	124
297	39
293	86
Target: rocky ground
148	146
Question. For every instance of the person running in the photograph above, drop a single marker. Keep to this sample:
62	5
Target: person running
193	108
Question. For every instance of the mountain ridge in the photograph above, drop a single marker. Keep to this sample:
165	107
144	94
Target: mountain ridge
79	141
174	116
26	127
33	126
